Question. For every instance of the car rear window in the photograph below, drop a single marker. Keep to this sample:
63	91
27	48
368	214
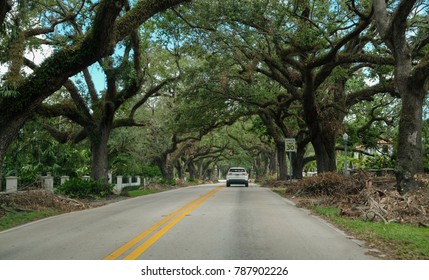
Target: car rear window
237	170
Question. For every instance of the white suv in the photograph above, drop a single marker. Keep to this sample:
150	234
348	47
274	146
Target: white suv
237	175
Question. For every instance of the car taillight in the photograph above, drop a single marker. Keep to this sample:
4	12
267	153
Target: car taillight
229	173
244	173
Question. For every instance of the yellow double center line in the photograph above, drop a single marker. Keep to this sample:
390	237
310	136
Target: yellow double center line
178	215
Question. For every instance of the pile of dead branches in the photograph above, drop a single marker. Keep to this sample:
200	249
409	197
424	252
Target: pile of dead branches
365	196
328	184
34	200
388	205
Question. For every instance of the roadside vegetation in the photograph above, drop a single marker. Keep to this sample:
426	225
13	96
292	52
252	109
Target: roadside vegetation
368	208
75	195
394	240
16	218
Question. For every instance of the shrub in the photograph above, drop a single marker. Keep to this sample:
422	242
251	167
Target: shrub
151	171
79	188
167	182
127	189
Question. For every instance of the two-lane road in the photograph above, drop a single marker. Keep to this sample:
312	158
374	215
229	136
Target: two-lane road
200	222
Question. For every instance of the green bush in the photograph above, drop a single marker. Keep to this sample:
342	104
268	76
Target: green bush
167	182
79	188
379	161
151	171
125	190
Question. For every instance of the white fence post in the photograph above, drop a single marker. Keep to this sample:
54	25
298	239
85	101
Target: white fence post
118	187
48	181
110	177
64	179
86	178
11	184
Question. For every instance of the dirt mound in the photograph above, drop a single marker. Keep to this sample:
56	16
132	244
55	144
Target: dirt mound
363	195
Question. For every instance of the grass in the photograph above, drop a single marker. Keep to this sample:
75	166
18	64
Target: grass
135	193
18	218
398	241
280	191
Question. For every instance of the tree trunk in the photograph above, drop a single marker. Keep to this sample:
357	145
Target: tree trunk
99	154
411	85
191	170
298	163
166	169
324	149
281	158
410	156
179	170
7	135
322	139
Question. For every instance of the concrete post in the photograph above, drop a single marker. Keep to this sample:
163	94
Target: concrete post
110	177
64	179
139	181
11	184
48	181
118	187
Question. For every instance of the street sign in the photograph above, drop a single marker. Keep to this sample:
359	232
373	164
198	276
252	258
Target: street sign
290	145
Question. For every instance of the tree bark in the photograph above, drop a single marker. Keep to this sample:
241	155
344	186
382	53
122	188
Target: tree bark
166	169
298	163
191	170
99	154
410	154
179	168
281	158
322	139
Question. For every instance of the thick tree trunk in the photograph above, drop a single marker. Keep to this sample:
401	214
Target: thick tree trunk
167	171
191	170
322	139
7	135
281	158
179	170
298	164
392	27
324	149
410	156
99	154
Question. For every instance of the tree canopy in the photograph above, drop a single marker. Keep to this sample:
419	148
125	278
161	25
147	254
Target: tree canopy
205	84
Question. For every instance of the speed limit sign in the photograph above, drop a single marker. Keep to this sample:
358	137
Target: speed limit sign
290	145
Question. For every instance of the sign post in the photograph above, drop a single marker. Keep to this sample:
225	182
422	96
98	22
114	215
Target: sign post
290	147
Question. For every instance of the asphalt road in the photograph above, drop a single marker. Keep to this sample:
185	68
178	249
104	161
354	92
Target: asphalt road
207	222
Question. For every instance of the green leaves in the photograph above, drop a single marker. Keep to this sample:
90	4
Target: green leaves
80	188
8	91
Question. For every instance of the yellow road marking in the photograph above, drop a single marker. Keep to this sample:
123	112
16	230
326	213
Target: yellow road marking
143	247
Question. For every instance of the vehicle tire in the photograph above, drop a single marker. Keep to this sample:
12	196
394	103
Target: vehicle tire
247	185
228	184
